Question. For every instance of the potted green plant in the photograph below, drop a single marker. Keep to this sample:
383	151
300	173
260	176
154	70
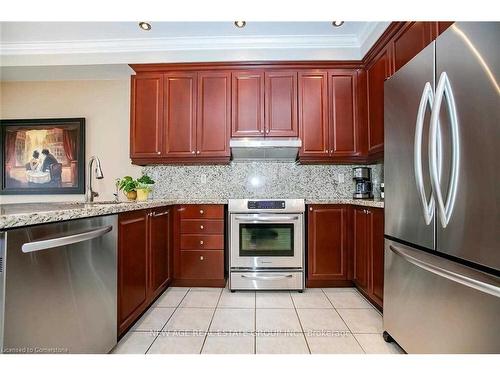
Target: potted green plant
144	187
128	185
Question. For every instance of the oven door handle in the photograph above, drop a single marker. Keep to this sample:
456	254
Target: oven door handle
266	218
275	277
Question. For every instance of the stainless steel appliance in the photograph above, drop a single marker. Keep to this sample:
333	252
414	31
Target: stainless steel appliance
266	244
362	177
58	287
265	149
442	217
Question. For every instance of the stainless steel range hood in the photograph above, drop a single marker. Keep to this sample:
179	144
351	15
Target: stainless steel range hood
265	149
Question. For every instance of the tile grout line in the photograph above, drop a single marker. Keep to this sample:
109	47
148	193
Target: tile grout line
211	320
300	322
349	328
170	317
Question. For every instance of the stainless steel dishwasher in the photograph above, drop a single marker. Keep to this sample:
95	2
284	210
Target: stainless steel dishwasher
58	285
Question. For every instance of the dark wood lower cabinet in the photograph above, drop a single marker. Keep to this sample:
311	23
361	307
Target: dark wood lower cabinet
328	246
144	266
345	247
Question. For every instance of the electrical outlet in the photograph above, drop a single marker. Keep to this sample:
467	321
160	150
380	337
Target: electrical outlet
340	178
203	178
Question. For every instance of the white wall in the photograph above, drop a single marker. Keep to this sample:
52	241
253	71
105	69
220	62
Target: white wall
105	105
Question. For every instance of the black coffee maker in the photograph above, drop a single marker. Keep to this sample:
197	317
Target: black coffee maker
363	180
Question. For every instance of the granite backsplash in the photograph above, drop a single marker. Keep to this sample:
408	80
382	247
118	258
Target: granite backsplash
257	180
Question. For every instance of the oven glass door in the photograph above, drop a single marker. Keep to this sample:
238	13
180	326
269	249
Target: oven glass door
266	240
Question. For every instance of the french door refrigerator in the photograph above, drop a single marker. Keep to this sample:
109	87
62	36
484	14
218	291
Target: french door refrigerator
442	201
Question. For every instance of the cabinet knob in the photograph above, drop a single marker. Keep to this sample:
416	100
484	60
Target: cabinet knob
267	131
326	151
201	242
192	152
198	151
201	227
202	212
310	208
201	257
159	152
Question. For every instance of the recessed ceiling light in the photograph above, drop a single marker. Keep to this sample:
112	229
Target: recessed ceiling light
239	24
337	23
145	26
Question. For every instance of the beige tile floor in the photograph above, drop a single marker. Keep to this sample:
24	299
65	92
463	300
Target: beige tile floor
216	321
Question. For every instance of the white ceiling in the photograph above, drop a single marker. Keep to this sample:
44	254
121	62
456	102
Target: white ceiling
24	46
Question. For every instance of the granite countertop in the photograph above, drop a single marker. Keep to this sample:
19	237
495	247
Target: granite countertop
25	214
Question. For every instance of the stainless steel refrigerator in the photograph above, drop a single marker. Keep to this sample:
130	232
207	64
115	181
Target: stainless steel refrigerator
442	195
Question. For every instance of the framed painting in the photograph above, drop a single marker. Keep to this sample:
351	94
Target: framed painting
42	156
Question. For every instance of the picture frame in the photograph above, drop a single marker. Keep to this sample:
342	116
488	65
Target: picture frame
42	156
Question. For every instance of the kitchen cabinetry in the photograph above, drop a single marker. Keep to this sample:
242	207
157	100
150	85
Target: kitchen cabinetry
281	104
199	245
144	261
368	249
146	128
248	104
329	116
328	260
410	40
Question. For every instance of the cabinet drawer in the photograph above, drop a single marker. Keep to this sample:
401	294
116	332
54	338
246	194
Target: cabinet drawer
202	226
202	211
199	264
202	241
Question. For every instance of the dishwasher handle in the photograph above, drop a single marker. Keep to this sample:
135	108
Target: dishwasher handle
66	240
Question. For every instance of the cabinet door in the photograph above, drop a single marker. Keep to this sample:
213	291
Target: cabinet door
442	27
411	40
313	115
132	267
214	114
247	104
377	72
376	238
281	104
159	250
180	114
360	245
343	116
327	243
146	128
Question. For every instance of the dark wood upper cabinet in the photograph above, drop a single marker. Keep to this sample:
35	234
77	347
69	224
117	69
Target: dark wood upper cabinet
361	248
377	72
132	267
146	128
214	114
313	114
281	104
180	114
442	27
327	245
410	40
159	250
343	113
247	104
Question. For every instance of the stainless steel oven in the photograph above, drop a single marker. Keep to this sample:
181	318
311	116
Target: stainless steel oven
266	244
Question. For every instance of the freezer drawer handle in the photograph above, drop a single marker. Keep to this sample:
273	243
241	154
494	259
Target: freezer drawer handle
444	89
67	240
276	277
453	276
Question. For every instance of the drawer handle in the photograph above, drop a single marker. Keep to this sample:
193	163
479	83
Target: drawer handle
276	277
202	212
201	257
201	242
201	227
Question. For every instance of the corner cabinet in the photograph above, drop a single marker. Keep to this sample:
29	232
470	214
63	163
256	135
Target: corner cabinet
144	261
328	255
368	248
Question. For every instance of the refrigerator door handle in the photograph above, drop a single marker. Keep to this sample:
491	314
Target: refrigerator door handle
445	209
426	99
465	280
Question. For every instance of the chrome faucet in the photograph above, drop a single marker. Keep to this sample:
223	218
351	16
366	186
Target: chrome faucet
89	193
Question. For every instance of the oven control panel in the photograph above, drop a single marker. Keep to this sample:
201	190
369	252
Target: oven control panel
266	205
